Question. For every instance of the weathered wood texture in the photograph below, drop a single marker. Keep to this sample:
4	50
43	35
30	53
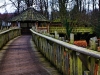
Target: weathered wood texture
68	59
7	35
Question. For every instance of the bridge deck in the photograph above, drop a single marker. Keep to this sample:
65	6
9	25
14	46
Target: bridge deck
21	59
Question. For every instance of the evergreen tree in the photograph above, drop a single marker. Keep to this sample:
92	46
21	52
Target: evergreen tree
68	28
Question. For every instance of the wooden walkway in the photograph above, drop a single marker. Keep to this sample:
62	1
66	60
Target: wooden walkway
21	59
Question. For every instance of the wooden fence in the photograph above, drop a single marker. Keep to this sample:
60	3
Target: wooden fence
67	58
7	35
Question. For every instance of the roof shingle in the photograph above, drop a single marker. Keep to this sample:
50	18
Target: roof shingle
29	14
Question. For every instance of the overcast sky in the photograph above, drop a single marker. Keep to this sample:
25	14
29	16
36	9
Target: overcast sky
10	8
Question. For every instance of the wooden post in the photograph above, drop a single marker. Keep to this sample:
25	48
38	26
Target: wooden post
72	57
92	60
48	28
75	64
71	63
54	53
93	44
36	26
71	38
92	66
50	53
98	68
56	35
62	58
78	64
66	62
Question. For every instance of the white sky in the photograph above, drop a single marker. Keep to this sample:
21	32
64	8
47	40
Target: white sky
10	8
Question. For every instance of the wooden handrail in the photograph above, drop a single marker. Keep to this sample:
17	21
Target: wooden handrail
70	46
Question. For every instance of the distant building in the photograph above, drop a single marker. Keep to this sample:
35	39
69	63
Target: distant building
30	18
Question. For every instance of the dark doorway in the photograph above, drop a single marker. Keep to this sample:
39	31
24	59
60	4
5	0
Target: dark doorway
25	28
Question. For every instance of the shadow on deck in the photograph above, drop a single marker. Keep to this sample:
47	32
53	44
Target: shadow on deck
22	58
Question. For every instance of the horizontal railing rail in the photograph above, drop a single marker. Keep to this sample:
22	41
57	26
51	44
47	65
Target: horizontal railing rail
7	30
70	46
7	35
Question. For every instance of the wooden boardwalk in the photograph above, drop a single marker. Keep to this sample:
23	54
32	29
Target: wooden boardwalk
22	59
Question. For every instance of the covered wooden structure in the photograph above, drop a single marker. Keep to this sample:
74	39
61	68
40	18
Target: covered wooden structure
30	18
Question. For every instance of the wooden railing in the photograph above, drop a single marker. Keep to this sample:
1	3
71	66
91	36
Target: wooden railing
67	58
7	35
74	30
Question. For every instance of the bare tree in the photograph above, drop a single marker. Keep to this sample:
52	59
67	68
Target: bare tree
93	1
41	6
46	8
54	9
29	2
88	5
62	9
19	4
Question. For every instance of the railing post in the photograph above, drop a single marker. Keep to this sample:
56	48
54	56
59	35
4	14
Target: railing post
93	44
92	66
72	57
56	35
78	64
98	73
46	46
66	62
54	53
71	63
71	38
74	63
62	57
92	59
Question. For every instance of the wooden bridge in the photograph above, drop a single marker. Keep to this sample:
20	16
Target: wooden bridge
22	55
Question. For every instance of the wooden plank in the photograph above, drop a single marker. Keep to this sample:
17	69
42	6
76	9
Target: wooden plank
85	61
71	63
92	66
74	63
78	65
66	62
62	58
98	68
54	53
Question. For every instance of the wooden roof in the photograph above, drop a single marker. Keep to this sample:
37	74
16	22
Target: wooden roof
29	14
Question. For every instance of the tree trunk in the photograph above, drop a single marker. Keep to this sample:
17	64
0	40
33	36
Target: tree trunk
77	5
41	6
88	5
99	6
62	9
93	5
18	6
29	3
80	5
46	8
